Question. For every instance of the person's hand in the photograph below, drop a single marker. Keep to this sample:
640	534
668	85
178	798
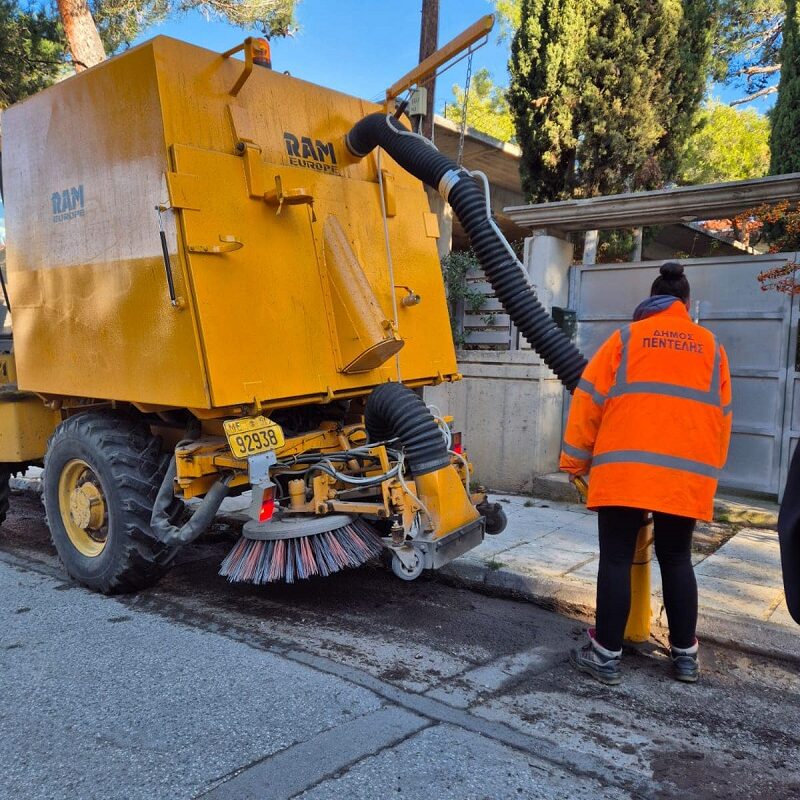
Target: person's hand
574	476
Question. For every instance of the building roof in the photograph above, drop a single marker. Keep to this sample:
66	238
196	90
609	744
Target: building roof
680	204
498	160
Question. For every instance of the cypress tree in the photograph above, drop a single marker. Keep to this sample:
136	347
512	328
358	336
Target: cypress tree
785	137
604	92
547	54
627	91
687	84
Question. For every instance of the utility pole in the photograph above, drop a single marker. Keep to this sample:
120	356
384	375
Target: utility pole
428	42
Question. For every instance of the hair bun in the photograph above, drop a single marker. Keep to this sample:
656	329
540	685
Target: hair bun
672	271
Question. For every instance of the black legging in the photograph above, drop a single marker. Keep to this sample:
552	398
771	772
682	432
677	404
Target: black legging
618	528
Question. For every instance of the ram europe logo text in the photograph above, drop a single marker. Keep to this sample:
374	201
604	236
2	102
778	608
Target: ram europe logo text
316	155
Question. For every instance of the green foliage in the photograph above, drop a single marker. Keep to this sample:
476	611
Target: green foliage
728	145
615	246
508	17
747	45
120	21
31	52
696	36
548	55
603	92
456	267
785	138
487	107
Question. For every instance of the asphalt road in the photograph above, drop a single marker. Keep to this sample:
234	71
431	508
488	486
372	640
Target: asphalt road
356	686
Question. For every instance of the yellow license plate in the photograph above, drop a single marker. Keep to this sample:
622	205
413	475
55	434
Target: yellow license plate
253	435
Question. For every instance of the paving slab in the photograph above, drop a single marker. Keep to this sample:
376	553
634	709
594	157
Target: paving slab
781	615
721	565
737	598
538	557
750	544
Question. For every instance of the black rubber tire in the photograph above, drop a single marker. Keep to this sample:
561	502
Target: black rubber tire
495	516
5	491
127	460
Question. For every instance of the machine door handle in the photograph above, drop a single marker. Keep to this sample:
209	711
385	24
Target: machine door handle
229	245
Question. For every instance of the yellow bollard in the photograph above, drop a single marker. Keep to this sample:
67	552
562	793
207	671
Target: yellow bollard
637	628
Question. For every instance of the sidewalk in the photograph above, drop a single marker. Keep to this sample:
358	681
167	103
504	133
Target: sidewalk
549	554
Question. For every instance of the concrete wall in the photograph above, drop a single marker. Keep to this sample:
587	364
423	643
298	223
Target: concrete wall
508	408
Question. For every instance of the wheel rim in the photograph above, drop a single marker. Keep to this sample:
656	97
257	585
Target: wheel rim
83	508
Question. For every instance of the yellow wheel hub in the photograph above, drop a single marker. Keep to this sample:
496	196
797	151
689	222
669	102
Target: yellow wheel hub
83	508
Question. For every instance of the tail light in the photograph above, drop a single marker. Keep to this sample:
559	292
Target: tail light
456	446
267	505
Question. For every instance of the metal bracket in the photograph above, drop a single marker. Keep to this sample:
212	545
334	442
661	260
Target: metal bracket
229	245
290	197
258	468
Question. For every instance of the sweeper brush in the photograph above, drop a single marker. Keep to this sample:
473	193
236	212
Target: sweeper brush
289	551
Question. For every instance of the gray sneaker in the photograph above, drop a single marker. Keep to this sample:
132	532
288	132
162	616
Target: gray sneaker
593	659
685	665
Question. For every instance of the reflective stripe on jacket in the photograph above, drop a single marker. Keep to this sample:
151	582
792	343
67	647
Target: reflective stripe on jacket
651	417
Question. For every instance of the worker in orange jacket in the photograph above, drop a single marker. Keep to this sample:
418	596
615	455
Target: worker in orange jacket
651	418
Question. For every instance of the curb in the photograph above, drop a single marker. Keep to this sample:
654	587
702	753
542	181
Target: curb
576	600
33	485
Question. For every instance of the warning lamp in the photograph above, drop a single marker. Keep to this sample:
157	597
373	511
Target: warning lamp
267	505
261	53
456	446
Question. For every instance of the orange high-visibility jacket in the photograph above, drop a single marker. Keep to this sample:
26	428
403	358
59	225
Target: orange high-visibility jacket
651	417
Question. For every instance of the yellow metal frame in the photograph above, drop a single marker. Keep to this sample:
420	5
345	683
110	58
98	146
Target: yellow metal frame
445	53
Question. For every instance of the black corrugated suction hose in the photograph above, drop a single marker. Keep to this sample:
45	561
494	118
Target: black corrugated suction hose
468	201
394	411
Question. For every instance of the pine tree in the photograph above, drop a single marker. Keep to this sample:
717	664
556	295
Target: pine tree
31	52
785	137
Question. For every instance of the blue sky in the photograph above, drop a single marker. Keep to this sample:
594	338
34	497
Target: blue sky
357	46
362	46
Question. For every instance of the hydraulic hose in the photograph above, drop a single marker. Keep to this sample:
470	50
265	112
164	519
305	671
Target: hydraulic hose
394	411
171	535
503	271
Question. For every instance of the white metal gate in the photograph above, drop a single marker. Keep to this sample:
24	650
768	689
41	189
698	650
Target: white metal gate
758	330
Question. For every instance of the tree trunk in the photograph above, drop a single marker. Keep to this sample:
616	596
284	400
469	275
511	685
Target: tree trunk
83	39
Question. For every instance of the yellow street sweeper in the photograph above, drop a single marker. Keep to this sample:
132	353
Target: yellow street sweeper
223	278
